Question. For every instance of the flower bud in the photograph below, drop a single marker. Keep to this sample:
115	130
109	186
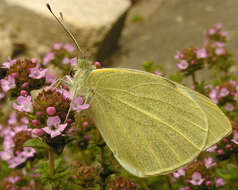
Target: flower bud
38	132
51	110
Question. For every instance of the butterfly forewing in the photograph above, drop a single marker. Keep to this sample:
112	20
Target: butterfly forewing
151	126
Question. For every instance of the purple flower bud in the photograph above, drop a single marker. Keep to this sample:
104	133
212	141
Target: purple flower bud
85	123
35	122
38	132
181	56
220	152
97	64
25	85
23	92
51	110
38	114
34	60
69	120
228	146
225	140
14	75
208	183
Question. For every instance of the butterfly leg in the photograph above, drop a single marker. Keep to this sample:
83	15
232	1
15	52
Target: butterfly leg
55	84
73	98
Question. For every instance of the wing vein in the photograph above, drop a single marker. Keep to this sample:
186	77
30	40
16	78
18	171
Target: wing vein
159	120
173	151
114	89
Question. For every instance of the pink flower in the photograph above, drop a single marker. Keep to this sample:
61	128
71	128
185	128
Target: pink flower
49	78
49	57
78	104
211	31
13	179
179	173
224	33
196	179
65	93
37	73
2	95
219	182
182	65
12	118
236	96
220	44
6	154
16	161
8	64
70	48
97	64
229	107
201	53
37	132
73	61
184	188
158	73
177	55
218	25
51	110
220	51
54	128
235	137
8	83
213	95
24	104
224	92
28	152
209	162
57	46
65	61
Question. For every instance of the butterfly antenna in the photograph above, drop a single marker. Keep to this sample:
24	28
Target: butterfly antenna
65	28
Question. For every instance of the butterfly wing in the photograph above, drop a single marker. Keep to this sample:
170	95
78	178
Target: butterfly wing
218	124
151	126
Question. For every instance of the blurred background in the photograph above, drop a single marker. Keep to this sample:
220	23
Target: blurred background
119	33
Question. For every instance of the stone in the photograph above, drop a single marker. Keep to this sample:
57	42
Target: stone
32	30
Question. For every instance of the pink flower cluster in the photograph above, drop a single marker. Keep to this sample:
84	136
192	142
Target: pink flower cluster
228	145
215	33
22	75
199	174
15	127
225	95
190	59
60	55
212	54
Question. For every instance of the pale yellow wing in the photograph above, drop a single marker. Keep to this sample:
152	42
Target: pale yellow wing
219	125
151	126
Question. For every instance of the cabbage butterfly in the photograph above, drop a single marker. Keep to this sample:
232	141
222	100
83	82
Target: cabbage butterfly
151	124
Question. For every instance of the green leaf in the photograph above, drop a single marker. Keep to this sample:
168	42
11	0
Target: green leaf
230	171
36	143
178	77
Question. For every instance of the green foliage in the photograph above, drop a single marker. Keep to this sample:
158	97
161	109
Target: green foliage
36	143
137	18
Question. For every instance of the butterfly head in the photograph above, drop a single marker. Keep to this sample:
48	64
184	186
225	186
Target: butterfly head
84	65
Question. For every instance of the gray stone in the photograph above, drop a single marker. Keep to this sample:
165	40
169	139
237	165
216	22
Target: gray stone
169	26
30	30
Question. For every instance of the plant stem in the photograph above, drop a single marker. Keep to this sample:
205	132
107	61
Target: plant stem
84	157
194	80
102	154
144	185
51	165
